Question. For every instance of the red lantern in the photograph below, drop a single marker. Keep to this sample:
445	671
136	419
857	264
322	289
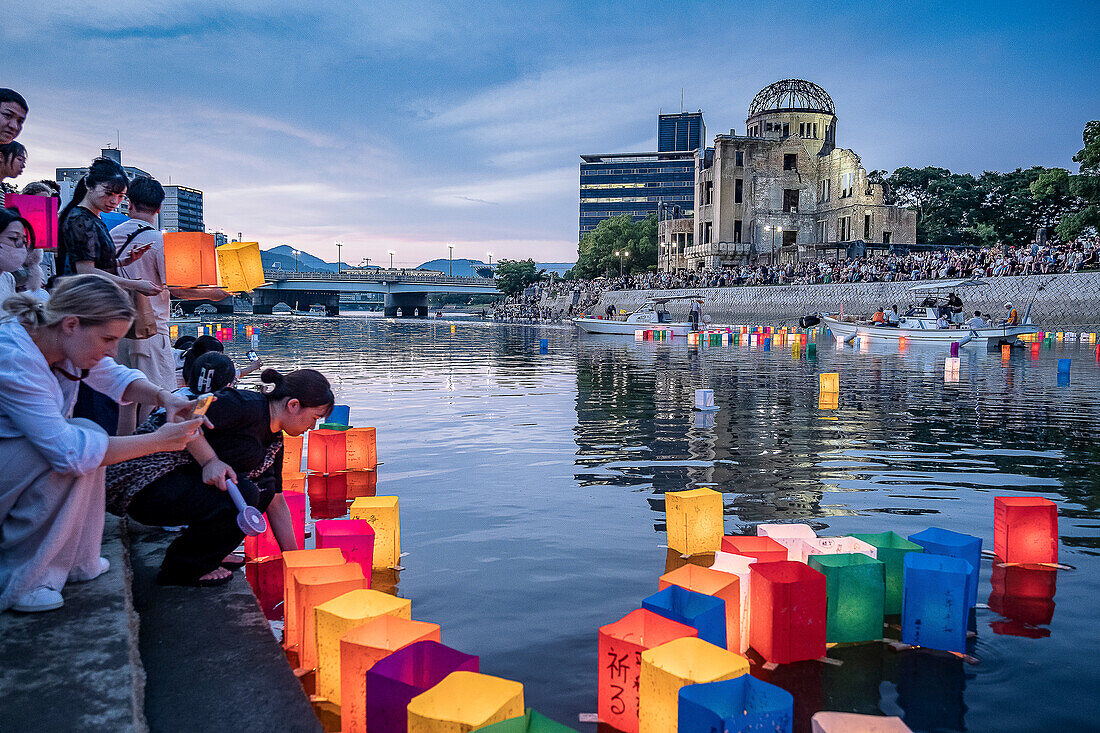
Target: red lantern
266	578
764	549
340	450
41	213
787	611
1025	529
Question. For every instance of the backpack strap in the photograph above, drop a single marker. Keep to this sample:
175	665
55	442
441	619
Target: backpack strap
143	227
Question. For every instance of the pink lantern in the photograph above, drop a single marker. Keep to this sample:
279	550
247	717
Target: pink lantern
354	537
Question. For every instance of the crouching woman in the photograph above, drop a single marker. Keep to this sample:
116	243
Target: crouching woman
244	445
52	482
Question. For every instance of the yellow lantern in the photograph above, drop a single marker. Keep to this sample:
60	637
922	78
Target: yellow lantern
829	382
381	512
240	266
667	668
314	586
465	701
694	521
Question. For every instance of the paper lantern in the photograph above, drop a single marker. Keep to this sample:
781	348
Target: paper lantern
724	586
764	549
829	722
314	587
354	537
297	560
465	701
529	722
694	520
935	609
364	646
190	260
739	565
340	415
855	591
394	681
706	614
41	213
383	514
741	704
1025	529
833	546
331	451
339	615
938	541
788	535
240	266
787	610
619	665
266	578
1024	596
667	668
263	545
704	400
292	455
829	382
891	549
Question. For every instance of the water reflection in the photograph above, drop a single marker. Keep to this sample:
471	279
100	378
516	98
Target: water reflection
1024	596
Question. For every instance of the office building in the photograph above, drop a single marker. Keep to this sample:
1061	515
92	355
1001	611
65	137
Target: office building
182	210
683	131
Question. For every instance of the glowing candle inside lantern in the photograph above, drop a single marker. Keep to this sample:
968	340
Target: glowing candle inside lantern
694	520
383	514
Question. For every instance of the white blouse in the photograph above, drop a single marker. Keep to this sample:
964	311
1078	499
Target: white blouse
36	403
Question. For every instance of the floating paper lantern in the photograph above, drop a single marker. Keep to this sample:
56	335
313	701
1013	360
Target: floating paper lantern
788	535
292	455
764	549
694	520
340	415
620	663
1024	596
829	382
240	266
314	587
190	260
465	701
297	560
954	544
829	722
891	549
383	514
704	613
787	611
544	346
339	615
828	401
704	399
724	586
833	546
1025	529
265	544
354	537
855	590
741	704
935	606
667	668
328	493
41	213
739	565
331	451
395	680
529	722
266	578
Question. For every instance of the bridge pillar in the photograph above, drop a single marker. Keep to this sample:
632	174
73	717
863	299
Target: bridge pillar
263	300
412	305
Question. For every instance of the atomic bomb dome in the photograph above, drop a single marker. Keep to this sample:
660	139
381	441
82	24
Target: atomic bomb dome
792	95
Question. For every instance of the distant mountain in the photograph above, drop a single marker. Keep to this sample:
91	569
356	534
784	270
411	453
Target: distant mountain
466	268
284	255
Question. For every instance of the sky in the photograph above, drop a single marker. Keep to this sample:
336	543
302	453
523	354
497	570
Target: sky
408	126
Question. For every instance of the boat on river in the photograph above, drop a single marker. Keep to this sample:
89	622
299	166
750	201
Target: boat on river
920	324
178	316
651	316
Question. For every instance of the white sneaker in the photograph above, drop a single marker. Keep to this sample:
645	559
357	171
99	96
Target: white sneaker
104	566
39	599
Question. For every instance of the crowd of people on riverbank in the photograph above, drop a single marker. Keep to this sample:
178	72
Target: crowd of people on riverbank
98	407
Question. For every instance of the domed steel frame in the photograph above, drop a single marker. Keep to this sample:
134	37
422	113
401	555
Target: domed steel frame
796	95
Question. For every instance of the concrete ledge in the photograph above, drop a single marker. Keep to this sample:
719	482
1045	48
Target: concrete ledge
76	668
210	657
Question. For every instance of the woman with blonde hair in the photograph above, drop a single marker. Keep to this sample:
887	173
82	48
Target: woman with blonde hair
52	486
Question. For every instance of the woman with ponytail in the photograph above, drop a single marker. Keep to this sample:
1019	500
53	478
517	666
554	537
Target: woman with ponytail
52	485
245	445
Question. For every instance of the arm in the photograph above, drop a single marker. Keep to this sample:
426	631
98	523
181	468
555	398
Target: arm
278	515
85	267
251	368
171	437
214	470
199	293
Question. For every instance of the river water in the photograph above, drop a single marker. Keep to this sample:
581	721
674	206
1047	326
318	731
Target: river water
531	511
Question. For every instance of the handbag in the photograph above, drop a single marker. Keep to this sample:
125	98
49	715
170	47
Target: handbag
145	320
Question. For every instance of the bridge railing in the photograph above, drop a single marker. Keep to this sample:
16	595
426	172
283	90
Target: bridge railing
386	276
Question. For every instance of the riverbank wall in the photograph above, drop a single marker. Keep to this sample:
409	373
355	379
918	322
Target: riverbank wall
1070	300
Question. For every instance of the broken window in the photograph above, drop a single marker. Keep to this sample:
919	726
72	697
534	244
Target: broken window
790	161
739	158
738	190
737	231
706	232
708	192
786	129
790	200
867	227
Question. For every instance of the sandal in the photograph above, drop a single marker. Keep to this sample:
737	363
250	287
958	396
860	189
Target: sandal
164	578
236	564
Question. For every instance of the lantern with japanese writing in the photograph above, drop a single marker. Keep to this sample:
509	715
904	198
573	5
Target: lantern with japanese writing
724	586
855	590
694	520
706	614
739	705
788	535
891	549
293	561
383	514
1025	529
620	663
41	213
240	266
763	549
465	701
395	680
190	260
339	450
338	616
787	611
362	648
354	537
935	608
966	547
833	546
667	668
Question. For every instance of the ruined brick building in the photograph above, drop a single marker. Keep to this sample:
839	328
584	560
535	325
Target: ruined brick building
783	191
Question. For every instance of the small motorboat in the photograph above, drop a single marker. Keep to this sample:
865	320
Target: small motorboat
650	317
178	316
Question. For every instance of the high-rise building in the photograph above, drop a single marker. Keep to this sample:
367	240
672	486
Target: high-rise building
637	184
182	210
69	177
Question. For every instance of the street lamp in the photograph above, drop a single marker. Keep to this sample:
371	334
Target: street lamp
621	254
391	254
339	260
451	260
490	259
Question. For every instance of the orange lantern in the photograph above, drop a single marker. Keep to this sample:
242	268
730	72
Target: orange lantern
190	260
725	586
340	450
292	455
41	213
364	646
362	483
240	266
1025	529
293	561
314	586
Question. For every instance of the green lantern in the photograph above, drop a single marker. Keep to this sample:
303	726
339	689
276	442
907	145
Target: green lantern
892	549
529	722
855	589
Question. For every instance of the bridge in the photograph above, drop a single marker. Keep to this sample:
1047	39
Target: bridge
404	289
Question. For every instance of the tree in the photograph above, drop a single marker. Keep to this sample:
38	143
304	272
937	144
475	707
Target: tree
515	275
596	251
1082	191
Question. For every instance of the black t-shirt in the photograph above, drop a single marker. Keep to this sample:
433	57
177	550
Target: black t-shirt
242	435
84	237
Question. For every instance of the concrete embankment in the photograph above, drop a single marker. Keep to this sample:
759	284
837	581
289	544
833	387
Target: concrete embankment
1067	300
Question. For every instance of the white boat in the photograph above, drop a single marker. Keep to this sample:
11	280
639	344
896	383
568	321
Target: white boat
650	317
178	316
920	324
